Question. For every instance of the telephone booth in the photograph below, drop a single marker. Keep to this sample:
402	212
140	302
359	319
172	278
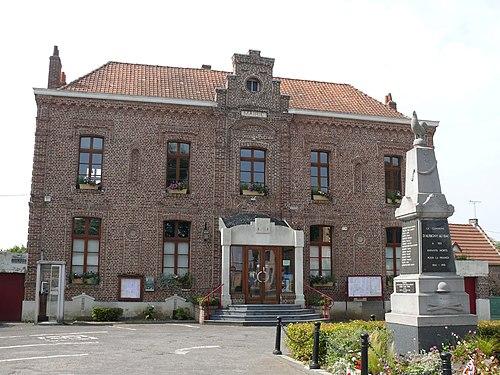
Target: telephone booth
49	297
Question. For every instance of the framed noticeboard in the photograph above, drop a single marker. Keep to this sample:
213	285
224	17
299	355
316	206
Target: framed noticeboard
130	288
364	286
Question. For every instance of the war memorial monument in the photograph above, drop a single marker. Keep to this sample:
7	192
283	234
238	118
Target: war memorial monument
429	304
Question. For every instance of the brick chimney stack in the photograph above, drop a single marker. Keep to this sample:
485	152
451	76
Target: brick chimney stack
389	102
57	78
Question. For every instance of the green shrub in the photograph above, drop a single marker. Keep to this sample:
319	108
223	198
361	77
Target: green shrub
181	314
150	313
489	329
106	314
299	336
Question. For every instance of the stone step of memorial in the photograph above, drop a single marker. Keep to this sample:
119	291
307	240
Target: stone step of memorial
263	315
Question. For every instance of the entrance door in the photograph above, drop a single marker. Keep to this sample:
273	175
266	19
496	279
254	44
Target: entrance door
263	281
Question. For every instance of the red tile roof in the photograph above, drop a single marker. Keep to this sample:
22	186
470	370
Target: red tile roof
200	84
474	243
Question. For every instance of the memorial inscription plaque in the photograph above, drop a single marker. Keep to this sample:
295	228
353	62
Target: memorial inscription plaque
437	254
409	248
405	287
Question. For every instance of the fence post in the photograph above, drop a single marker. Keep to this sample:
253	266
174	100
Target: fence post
446	363
314	365
364	354
277	345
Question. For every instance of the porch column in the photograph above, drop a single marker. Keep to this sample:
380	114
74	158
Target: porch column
299	276
226	248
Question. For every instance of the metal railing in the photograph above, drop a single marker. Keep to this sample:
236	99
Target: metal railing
205	301
327	301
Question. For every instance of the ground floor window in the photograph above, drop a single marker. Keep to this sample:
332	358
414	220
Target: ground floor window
288	273
85	247
176	247
392	253
320	251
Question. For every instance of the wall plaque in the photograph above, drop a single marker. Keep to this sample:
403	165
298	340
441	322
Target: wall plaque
409	248
405	287
149	284
437	254
254	114
130	288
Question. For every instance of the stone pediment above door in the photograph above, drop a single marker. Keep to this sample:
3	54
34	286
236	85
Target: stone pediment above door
251	86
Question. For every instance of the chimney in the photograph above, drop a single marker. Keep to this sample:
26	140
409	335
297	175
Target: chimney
473	222
389	102
57	78
206	66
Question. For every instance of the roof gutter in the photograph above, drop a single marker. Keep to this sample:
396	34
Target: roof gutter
209	103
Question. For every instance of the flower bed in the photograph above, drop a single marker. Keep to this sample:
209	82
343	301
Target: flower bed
339	349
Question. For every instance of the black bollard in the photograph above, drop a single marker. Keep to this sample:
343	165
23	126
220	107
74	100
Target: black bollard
277	345
372	317
446	363
314	365
364	354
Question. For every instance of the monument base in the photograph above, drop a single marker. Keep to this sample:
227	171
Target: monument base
422	332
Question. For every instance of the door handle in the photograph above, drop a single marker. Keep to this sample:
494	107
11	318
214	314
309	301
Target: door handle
257	277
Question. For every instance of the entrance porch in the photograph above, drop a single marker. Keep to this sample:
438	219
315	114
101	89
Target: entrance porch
262	261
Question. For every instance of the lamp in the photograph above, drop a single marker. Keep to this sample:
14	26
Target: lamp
205	234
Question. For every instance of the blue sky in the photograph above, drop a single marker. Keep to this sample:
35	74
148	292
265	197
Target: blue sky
440	58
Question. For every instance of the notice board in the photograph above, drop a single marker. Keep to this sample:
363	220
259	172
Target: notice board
364	286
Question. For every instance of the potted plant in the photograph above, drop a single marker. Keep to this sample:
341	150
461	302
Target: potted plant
91	278
320	195
318	280
87	183
393	197
254	189
184	282
75	278
177	187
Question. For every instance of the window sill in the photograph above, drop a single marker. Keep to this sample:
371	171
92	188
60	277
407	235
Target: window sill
177	192
252	193
88	187
320	198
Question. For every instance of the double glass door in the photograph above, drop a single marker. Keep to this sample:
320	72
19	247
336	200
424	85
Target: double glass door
262	267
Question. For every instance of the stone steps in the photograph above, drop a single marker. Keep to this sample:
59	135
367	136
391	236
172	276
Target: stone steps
262	315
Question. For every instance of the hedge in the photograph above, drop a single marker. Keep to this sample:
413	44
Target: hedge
299	338
106	314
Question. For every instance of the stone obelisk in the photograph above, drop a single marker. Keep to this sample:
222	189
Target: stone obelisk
429	303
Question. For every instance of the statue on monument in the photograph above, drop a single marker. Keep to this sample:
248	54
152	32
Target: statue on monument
419	129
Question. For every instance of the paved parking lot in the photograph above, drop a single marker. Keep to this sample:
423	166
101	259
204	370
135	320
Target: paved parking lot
140	349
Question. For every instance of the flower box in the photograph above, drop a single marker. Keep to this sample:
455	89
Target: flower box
77	280
252	193
177	191
330	283
87	186
318	197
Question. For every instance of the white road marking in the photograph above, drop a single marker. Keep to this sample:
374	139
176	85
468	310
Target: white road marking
131	329
180	325
66	338
43	357
9	337
187	350
67	333
51	344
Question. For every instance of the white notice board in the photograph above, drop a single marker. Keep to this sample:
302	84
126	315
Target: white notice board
364	286
130	288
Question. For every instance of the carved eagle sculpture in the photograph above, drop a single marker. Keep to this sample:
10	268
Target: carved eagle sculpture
419	129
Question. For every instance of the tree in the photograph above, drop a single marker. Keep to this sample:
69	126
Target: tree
18	249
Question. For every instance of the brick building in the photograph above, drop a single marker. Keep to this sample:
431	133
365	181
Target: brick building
238	178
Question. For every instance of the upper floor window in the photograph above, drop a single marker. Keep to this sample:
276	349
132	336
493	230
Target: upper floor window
253	85
392	252
319	171
320	251
85	249
176	247
178	166
252	166
392	167
90	162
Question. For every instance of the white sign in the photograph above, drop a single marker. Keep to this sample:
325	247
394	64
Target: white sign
254	114
130	288
364	286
